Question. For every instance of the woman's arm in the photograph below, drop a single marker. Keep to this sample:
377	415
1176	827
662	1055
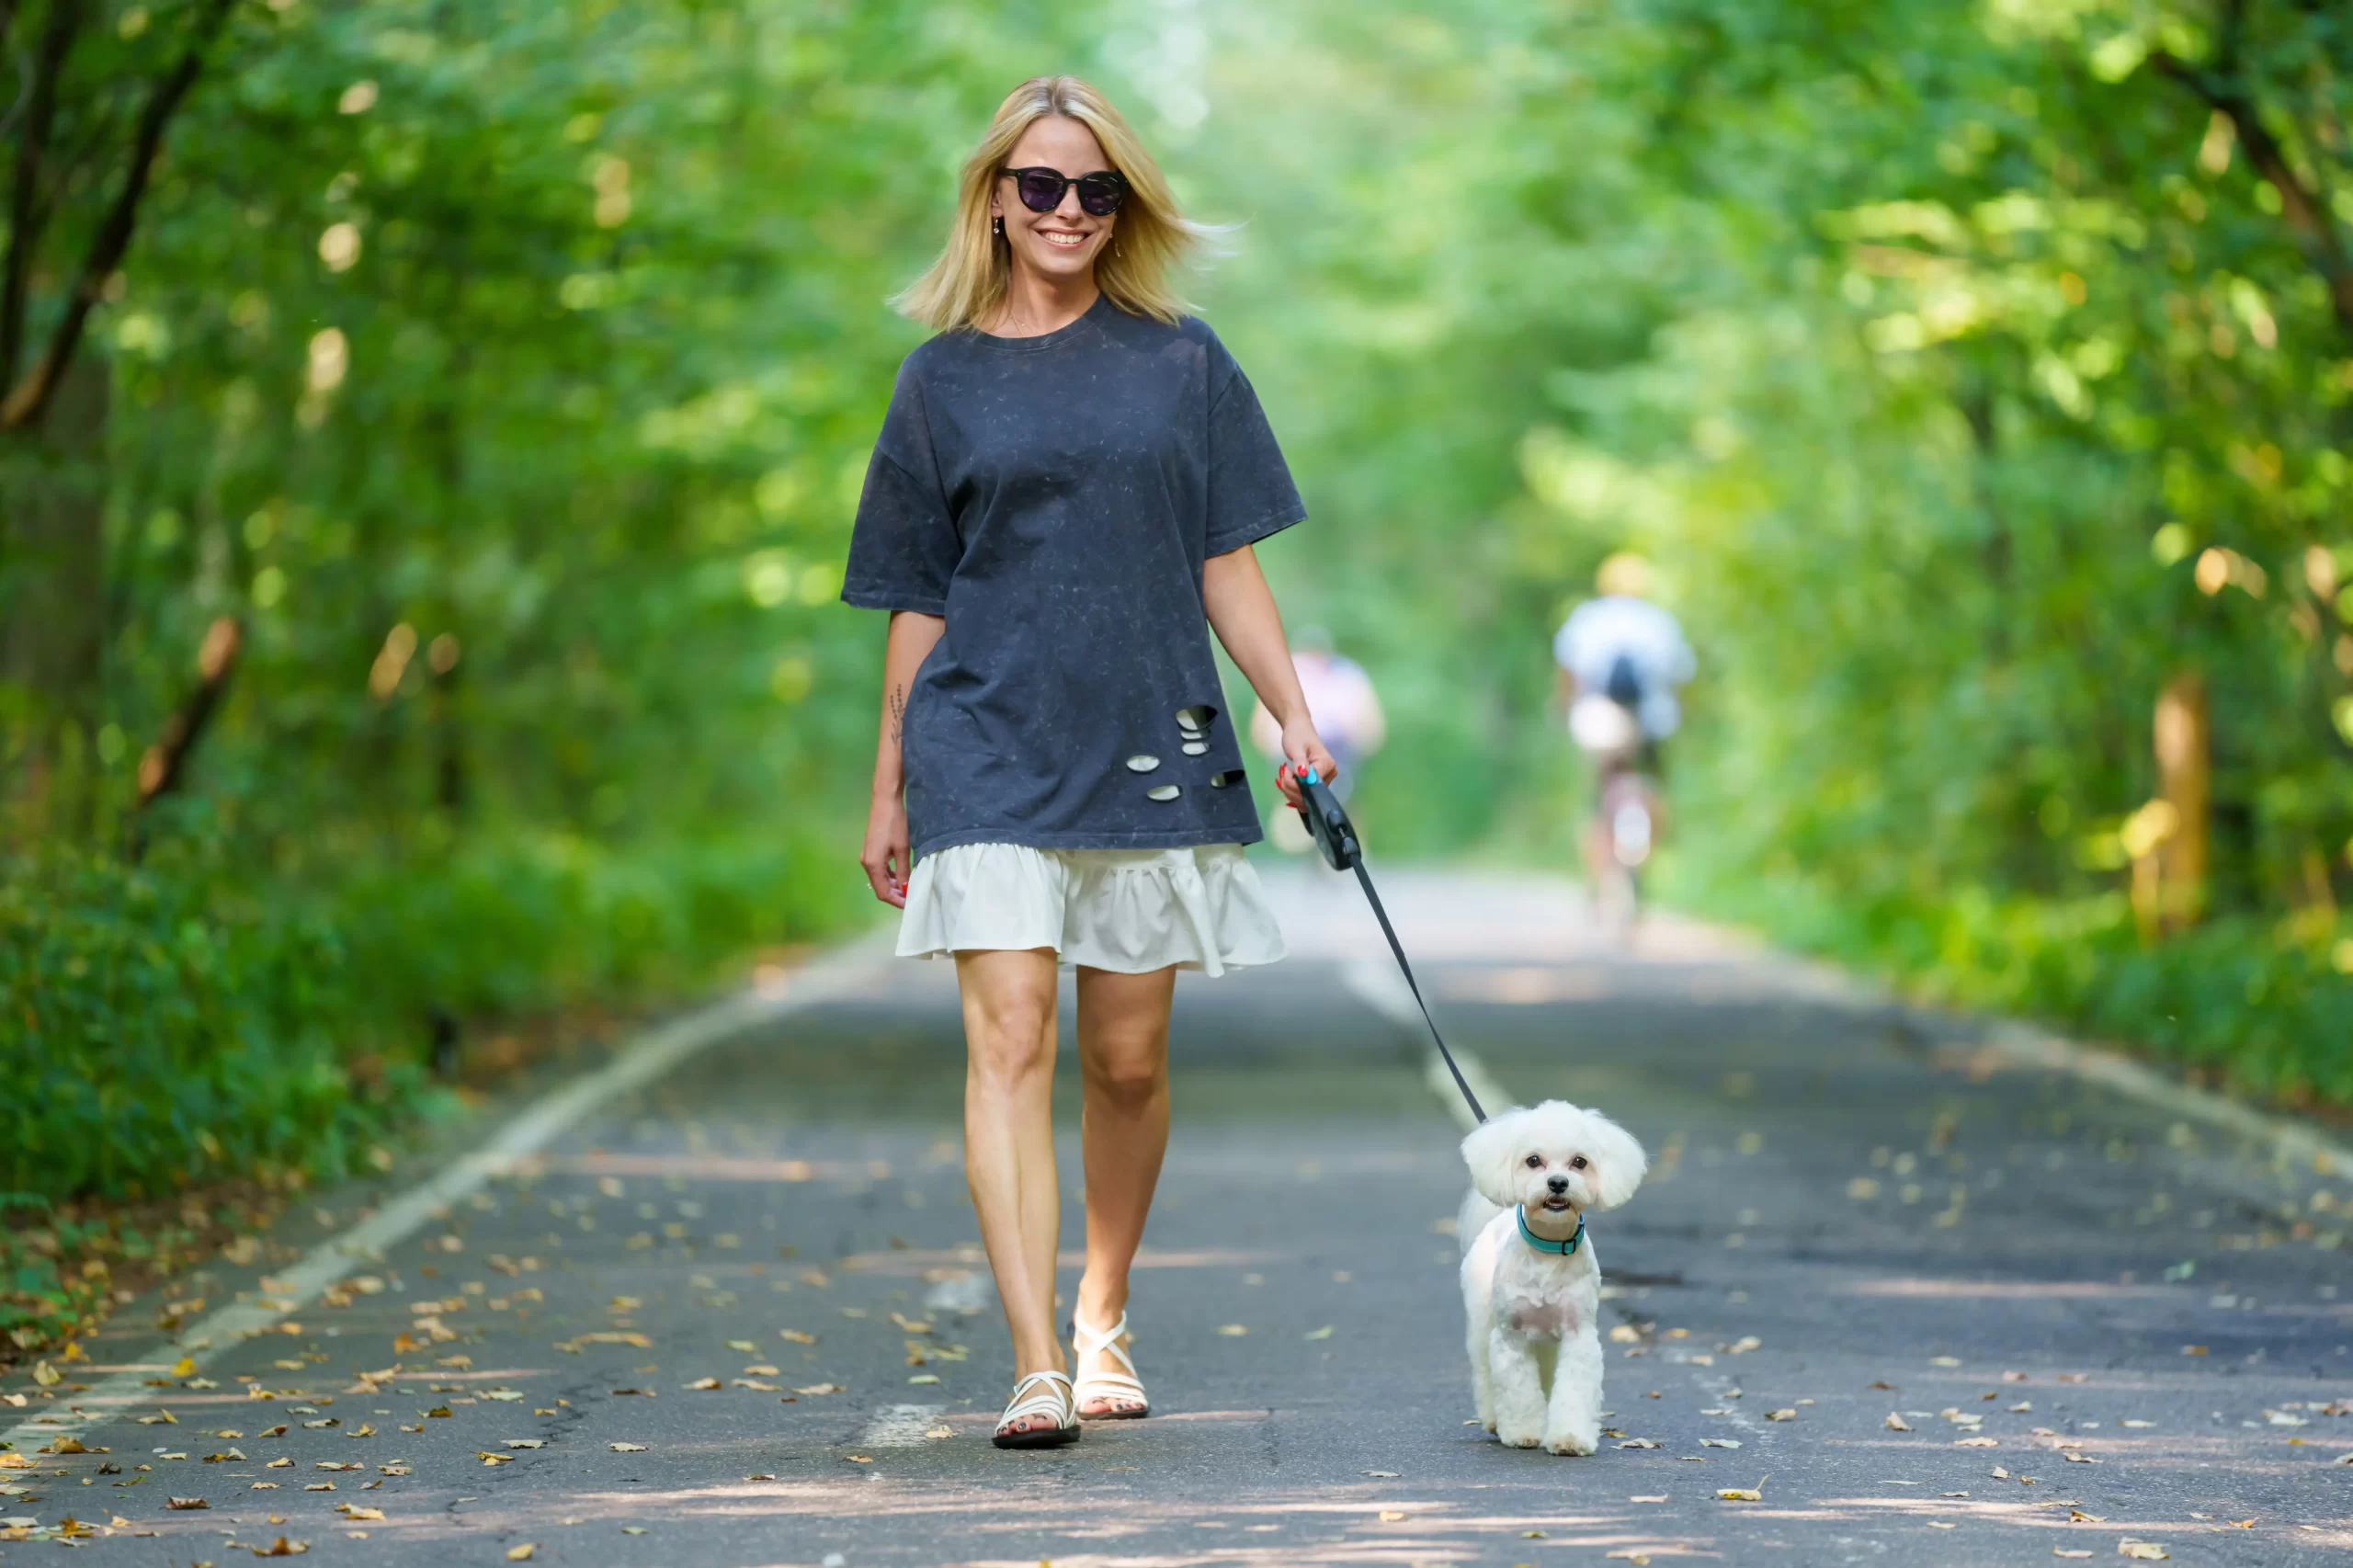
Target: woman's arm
1242	611
885	857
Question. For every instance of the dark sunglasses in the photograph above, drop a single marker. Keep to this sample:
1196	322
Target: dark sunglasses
1099	194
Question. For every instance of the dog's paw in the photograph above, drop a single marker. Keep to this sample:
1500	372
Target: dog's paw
1574	1443
1516	1439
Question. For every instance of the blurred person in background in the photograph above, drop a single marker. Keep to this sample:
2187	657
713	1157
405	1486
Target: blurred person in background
1346	713
1069	476
1620	659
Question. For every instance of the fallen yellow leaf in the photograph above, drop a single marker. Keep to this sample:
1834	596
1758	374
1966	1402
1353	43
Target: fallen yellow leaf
521	1554
183	1367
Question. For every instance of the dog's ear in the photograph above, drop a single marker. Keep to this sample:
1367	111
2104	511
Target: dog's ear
1619	1158
1490	1151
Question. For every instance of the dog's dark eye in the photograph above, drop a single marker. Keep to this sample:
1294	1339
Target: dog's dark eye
1535	1162
1577	1164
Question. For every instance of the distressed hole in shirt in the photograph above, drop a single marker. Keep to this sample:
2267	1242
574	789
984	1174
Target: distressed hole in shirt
1194	720
1143	762
1227	779
1196	748
1163	792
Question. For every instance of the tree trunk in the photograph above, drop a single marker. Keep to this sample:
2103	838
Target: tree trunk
53	601
2185	781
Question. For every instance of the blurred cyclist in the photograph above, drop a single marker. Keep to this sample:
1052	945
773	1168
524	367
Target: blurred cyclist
1346	713
1620	658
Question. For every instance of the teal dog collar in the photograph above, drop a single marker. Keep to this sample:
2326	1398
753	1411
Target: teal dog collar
1561	1249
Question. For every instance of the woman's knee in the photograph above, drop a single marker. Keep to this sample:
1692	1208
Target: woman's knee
1129	1077
1011	1037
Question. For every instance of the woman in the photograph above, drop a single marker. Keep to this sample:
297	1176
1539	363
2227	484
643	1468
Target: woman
1066	487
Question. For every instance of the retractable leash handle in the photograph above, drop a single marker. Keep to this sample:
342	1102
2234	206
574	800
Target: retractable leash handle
1336	838
1334	834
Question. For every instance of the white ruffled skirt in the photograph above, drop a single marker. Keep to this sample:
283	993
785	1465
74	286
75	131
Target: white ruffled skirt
1130	911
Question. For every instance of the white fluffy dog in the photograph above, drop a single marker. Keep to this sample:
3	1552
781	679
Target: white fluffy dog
1531	1288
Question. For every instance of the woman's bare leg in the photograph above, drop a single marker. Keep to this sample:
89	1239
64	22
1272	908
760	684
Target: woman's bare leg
1123	1060
1009	1141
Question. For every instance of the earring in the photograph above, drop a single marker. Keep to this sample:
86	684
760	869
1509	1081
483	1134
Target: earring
998	227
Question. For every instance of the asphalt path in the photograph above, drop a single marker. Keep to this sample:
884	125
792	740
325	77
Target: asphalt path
1929	1308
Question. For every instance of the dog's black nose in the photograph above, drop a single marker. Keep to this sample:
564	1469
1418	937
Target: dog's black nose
1558	1183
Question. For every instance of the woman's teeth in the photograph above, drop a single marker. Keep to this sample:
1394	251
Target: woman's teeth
1068	242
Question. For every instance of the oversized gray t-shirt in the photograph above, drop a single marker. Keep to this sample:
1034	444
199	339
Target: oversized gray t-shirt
1053	498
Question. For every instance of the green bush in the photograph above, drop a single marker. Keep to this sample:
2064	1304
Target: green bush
2258	1007
162	1024
537	920
158	1026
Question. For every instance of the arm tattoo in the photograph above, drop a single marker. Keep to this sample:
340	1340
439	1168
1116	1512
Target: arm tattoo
898	711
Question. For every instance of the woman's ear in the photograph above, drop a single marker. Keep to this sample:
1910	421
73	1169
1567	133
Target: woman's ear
1620	1155
1489	1151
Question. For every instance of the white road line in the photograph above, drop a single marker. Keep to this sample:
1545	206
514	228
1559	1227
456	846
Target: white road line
639	1063
2290	1139
899	1425
1378	985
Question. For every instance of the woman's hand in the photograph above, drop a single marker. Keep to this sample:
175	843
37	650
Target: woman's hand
885	855
1302	749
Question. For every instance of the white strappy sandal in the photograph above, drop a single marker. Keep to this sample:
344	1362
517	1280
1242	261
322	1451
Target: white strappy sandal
1106	1385
1055	1398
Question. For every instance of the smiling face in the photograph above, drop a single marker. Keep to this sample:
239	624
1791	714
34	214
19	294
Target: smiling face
1059	245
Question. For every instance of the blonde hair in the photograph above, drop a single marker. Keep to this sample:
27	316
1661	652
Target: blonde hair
968	280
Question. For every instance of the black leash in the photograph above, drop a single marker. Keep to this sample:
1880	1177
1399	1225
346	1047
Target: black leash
1335	836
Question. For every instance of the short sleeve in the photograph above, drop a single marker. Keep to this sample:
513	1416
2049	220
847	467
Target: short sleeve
904	548
1250	489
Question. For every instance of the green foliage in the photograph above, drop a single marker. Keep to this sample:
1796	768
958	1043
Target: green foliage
1969	372
173	1029
162	1029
